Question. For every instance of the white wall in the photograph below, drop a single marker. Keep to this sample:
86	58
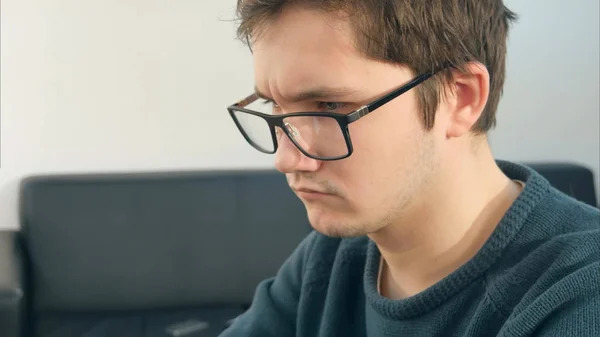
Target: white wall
130	85
551	104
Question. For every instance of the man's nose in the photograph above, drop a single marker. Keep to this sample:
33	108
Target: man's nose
289	159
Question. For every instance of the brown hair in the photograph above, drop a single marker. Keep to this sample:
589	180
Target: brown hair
421	34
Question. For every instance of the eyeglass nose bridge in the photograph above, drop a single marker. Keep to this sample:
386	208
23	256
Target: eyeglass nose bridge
293	134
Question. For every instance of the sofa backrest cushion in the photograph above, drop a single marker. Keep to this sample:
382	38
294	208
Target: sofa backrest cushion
575	180
140	241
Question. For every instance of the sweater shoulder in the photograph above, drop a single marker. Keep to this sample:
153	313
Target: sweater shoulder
567	213
556	252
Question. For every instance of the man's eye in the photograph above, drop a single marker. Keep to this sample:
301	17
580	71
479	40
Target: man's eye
331	106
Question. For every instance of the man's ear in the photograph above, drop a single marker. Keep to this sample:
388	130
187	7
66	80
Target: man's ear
469	96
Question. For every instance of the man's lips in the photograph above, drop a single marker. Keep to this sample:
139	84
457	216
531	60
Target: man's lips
309	193
307	190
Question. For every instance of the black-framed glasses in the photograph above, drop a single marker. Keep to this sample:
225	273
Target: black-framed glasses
318	135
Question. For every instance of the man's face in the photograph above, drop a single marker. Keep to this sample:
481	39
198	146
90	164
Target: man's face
394	158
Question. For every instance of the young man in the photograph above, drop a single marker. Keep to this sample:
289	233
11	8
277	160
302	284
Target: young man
377	112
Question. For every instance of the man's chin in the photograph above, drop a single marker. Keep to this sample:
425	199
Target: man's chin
336	229
331	222
339	231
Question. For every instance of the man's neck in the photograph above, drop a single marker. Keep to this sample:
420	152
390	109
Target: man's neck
444	230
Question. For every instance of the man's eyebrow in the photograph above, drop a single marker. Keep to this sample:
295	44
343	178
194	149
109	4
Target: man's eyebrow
315	93
260	94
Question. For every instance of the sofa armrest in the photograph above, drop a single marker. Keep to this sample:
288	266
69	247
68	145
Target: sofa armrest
11	285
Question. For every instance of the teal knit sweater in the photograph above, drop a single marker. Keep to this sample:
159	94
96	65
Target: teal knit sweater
537	275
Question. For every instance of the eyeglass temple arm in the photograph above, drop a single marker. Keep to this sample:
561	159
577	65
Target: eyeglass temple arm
385	99
365	110
246	101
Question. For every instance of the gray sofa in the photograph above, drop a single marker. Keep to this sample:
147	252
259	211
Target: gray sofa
143	254
156	254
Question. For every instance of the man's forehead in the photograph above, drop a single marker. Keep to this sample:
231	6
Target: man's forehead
301	76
